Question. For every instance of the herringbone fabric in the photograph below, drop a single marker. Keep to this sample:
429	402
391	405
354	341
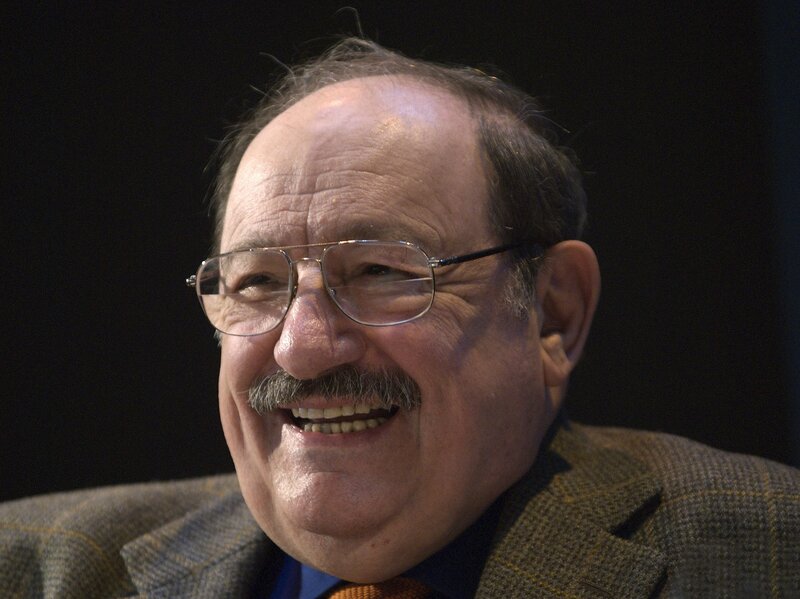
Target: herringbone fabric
396	588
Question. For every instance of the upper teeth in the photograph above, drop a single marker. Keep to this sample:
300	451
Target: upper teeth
344	426
317	413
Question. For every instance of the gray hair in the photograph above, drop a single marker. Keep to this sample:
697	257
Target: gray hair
382	389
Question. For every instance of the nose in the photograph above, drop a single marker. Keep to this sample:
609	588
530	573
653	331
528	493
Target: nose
315	336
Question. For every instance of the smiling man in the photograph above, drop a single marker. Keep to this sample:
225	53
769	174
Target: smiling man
379	158
400	296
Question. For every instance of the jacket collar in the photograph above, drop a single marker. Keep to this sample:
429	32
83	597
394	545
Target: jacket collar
562	529
215	551
561	533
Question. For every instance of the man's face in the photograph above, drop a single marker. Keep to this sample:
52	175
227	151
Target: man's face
387	159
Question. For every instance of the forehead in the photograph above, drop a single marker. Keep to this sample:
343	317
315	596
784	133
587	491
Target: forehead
377	157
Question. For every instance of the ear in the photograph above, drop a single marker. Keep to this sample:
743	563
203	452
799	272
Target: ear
567	287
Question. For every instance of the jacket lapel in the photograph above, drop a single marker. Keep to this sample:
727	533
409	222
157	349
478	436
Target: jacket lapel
561	534
216	551
562	528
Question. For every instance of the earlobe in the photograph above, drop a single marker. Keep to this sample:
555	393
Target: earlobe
568	287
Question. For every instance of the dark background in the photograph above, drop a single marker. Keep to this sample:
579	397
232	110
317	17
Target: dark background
683	114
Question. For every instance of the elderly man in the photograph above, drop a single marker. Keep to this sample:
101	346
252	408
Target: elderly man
400	296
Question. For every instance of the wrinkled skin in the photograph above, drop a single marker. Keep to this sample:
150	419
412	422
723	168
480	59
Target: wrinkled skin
382	158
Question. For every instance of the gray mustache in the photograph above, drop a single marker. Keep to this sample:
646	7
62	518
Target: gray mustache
387	388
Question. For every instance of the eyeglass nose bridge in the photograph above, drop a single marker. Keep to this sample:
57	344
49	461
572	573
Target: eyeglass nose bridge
293	263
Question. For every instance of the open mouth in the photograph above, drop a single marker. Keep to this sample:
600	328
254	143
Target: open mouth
342	419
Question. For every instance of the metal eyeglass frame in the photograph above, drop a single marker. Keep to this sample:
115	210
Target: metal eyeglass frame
536	251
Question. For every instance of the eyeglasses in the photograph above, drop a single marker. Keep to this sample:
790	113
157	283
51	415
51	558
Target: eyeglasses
374	283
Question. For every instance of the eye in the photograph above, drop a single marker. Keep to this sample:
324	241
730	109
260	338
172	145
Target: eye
254	281
378	270
257	284
382	273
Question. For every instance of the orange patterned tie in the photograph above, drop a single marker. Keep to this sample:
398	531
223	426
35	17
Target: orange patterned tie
395	588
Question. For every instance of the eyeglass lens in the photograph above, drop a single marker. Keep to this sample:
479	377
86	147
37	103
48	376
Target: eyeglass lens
373	283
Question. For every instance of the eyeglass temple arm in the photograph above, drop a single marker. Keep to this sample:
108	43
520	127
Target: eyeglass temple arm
535	248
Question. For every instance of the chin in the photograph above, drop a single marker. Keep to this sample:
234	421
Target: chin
371	556
346	547
329	505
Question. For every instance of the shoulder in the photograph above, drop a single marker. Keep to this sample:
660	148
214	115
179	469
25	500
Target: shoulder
44	537
690	470
721	518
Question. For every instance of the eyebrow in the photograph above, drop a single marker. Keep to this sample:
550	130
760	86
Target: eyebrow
379	231
249	243
357	230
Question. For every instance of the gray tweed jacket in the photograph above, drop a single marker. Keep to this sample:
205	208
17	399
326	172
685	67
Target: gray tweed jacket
603	513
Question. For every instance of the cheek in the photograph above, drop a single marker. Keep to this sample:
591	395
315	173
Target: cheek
430	344
242	360
482	396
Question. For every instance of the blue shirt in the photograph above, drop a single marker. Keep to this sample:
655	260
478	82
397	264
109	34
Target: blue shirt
454	571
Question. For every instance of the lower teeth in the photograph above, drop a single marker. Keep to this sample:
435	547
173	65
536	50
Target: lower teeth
350	426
